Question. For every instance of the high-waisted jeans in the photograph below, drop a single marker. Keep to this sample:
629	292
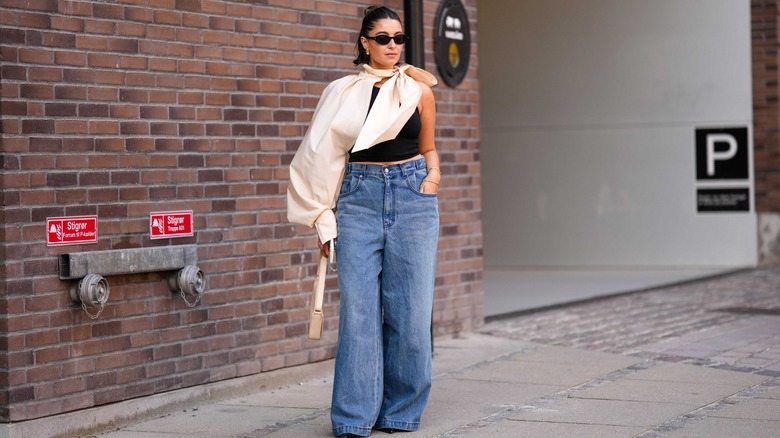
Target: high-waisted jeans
386	255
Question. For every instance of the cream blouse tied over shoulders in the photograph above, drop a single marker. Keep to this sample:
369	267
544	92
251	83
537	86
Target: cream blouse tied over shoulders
339	122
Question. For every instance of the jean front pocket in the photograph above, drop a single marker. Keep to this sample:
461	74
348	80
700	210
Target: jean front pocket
415	180
351	183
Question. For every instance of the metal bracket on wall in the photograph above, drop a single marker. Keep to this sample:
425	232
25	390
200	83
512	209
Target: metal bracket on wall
92	290
126	261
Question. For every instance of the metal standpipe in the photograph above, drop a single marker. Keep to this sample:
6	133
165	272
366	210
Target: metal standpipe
189	281
91	268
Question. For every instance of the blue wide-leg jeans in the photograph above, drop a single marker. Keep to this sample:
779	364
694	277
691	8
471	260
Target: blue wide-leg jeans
386	255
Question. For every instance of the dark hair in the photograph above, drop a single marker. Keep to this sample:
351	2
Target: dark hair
372	15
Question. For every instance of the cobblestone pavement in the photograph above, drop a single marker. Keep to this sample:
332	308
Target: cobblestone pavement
730	321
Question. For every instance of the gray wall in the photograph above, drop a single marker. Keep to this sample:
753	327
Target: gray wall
589	109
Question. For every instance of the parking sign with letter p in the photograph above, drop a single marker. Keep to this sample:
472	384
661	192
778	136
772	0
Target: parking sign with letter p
722	153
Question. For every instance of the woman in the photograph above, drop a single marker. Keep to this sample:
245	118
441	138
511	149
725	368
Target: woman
381	123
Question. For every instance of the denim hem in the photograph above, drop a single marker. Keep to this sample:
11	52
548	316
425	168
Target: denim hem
356	430
405	426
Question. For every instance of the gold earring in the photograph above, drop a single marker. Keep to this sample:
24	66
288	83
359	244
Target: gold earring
366	50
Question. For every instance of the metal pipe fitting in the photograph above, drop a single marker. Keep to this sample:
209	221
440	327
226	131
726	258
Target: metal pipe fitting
91	291
188	281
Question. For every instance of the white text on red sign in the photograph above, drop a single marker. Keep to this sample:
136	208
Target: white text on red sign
170	224
71	230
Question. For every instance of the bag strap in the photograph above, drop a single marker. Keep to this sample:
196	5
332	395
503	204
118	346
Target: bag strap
319	294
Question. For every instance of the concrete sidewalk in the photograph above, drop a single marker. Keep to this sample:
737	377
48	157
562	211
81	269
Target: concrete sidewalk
700	359
488	386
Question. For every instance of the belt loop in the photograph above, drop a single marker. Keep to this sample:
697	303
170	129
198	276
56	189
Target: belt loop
412	166
408	168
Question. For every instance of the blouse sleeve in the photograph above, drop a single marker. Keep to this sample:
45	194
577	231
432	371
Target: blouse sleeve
340	121
316	171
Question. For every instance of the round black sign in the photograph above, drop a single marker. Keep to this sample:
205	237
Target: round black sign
452	41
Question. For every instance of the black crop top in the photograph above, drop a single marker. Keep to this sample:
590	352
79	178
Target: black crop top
405	145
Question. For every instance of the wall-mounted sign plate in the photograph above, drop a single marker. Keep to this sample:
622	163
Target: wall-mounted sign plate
711	200
167	224
723	169
452	41
722	154
71	230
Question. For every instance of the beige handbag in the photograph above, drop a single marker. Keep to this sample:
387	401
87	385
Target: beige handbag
316	319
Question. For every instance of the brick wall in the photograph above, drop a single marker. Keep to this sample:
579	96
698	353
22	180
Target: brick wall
121	108
765	105
766	141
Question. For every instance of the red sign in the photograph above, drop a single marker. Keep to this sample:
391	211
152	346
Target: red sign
71	230
165	224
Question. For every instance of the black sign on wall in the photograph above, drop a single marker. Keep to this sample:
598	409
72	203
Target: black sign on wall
722	153
452	41
709	200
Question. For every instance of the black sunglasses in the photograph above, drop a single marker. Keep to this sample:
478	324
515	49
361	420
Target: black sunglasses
384	40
